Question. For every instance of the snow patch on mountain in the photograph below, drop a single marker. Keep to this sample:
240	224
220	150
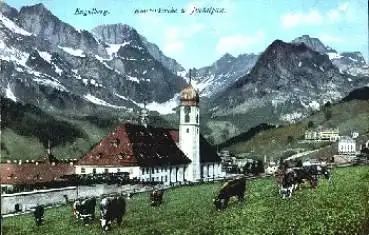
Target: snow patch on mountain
52	83
58	70
334	55
182	73
114	48
101	102
13	54
9	94
73	52
292	117
134	79
314	105
166	107
45	55
12	26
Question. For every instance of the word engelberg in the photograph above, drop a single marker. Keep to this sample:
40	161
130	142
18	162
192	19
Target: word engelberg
92	11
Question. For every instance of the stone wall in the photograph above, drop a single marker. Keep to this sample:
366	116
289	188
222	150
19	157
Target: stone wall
26	201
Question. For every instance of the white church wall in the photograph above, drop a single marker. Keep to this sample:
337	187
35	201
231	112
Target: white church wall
134	171
163	174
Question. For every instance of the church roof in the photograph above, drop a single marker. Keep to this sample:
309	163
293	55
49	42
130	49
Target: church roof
136	145
189	95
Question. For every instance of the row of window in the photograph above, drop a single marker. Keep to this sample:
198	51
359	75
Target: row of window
157	170
350	148
162	179
106	170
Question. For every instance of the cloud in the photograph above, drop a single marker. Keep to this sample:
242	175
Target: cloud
290	20
175	37
327	39
237	43
346	11
339	13
173	47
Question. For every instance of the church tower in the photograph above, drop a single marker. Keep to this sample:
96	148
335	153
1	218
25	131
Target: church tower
189	130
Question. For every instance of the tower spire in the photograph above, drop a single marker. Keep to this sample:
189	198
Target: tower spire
190	76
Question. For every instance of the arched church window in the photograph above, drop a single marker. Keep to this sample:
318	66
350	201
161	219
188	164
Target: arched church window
187	130
197	118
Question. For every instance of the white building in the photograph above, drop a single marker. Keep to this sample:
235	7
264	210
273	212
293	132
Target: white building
157	154
346	145
323	134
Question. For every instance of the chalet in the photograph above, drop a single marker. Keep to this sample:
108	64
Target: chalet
157	154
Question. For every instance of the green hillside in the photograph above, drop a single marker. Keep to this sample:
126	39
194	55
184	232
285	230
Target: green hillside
347	116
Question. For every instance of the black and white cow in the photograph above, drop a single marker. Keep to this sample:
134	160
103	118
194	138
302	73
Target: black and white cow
39	214
235	187
307	173
156	197
84	209
112	208
288	184
326	172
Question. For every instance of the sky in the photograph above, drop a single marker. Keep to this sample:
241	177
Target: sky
246	26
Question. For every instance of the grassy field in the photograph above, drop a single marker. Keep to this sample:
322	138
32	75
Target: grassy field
339	208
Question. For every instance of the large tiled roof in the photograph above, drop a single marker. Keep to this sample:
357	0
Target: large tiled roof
132	145
136	145
30	173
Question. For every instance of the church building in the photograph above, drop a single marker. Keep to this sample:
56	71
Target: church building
157	154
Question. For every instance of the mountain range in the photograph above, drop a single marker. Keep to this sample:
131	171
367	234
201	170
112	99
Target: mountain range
114	71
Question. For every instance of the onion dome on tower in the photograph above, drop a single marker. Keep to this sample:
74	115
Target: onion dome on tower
189	95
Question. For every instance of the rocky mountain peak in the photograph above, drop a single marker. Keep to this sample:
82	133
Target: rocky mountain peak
115	33
8	11
313	43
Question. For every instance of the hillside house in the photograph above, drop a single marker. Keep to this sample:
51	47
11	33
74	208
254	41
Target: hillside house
346	145
320	134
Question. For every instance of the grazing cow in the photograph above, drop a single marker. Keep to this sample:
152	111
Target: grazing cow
156	197
288	183
112	208
326	172
84	209
235	187
39	214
